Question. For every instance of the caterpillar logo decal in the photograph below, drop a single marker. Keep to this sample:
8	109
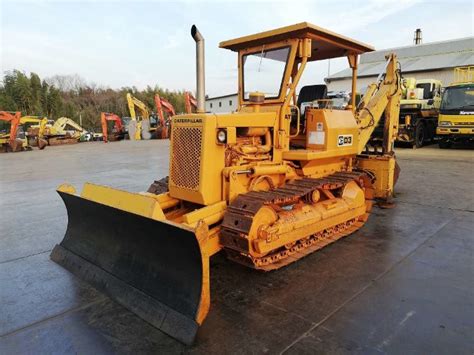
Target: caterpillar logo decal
344	140
187	120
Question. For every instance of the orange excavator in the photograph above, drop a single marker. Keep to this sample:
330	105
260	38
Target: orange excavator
161	104
190	102
8	141
105	117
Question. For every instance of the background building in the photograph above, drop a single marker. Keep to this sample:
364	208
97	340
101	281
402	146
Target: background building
222	104
434	60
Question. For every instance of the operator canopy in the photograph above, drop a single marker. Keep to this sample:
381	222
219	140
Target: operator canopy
325	44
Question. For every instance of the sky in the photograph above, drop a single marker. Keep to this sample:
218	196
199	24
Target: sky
139	43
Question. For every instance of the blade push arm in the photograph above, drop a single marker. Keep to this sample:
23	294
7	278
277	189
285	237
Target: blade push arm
381	98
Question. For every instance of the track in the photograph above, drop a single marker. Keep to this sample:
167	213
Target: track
240	213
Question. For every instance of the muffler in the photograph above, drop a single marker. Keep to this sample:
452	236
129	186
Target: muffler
200	70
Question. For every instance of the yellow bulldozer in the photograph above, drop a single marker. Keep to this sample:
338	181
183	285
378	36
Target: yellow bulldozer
265	185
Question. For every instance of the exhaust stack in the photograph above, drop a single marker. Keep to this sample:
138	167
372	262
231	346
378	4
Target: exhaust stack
200	81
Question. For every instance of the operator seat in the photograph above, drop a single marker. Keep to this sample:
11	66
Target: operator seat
307	94
310	93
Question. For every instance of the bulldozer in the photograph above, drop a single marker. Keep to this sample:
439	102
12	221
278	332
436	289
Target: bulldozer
266	185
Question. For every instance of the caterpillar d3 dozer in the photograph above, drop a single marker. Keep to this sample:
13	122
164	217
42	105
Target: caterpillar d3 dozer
266	185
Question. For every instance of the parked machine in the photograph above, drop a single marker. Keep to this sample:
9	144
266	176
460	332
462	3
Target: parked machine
163	105
18	137
265	185
8	137
139	125
34	134
419	108
456	116
190	102
64	131
117	131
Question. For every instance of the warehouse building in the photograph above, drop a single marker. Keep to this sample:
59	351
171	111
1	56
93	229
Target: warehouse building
222	104
434	60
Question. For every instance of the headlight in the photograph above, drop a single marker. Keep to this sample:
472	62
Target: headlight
445	123
221	136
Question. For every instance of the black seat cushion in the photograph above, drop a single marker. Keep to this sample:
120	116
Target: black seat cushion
311	92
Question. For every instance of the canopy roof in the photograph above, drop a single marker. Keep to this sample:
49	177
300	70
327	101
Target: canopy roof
325	44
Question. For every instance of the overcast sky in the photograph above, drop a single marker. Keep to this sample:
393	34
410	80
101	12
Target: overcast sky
140	43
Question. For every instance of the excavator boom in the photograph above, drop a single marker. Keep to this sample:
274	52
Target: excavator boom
138	128
37	130
190	102
118	126
382	99
161	104
63	131
9	140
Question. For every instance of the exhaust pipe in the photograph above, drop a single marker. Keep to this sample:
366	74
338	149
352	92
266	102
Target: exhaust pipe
200	83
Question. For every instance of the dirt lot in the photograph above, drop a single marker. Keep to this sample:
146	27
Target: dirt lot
403	283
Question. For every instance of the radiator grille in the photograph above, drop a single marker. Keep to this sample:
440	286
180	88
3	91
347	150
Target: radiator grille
186	158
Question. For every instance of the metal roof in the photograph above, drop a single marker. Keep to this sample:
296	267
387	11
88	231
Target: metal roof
421	57
221	97
324	43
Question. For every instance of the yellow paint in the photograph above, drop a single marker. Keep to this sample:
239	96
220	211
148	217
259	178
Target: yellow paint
455	130
458	125
60	127
308	220
210	214
207	175
300	30
133	103
131	202
384	169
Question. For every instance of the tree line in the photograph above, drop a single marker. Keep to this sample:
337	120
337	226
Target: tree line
71	96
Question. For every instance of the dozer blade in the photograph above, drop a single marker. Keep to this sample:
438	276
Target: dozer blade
156	269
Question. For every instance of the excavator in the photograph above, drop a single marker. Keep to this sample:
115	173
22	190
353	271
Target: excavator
8	139
161	104
190	102
139	127
64	131
35	133
117	132
266	185
11	141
